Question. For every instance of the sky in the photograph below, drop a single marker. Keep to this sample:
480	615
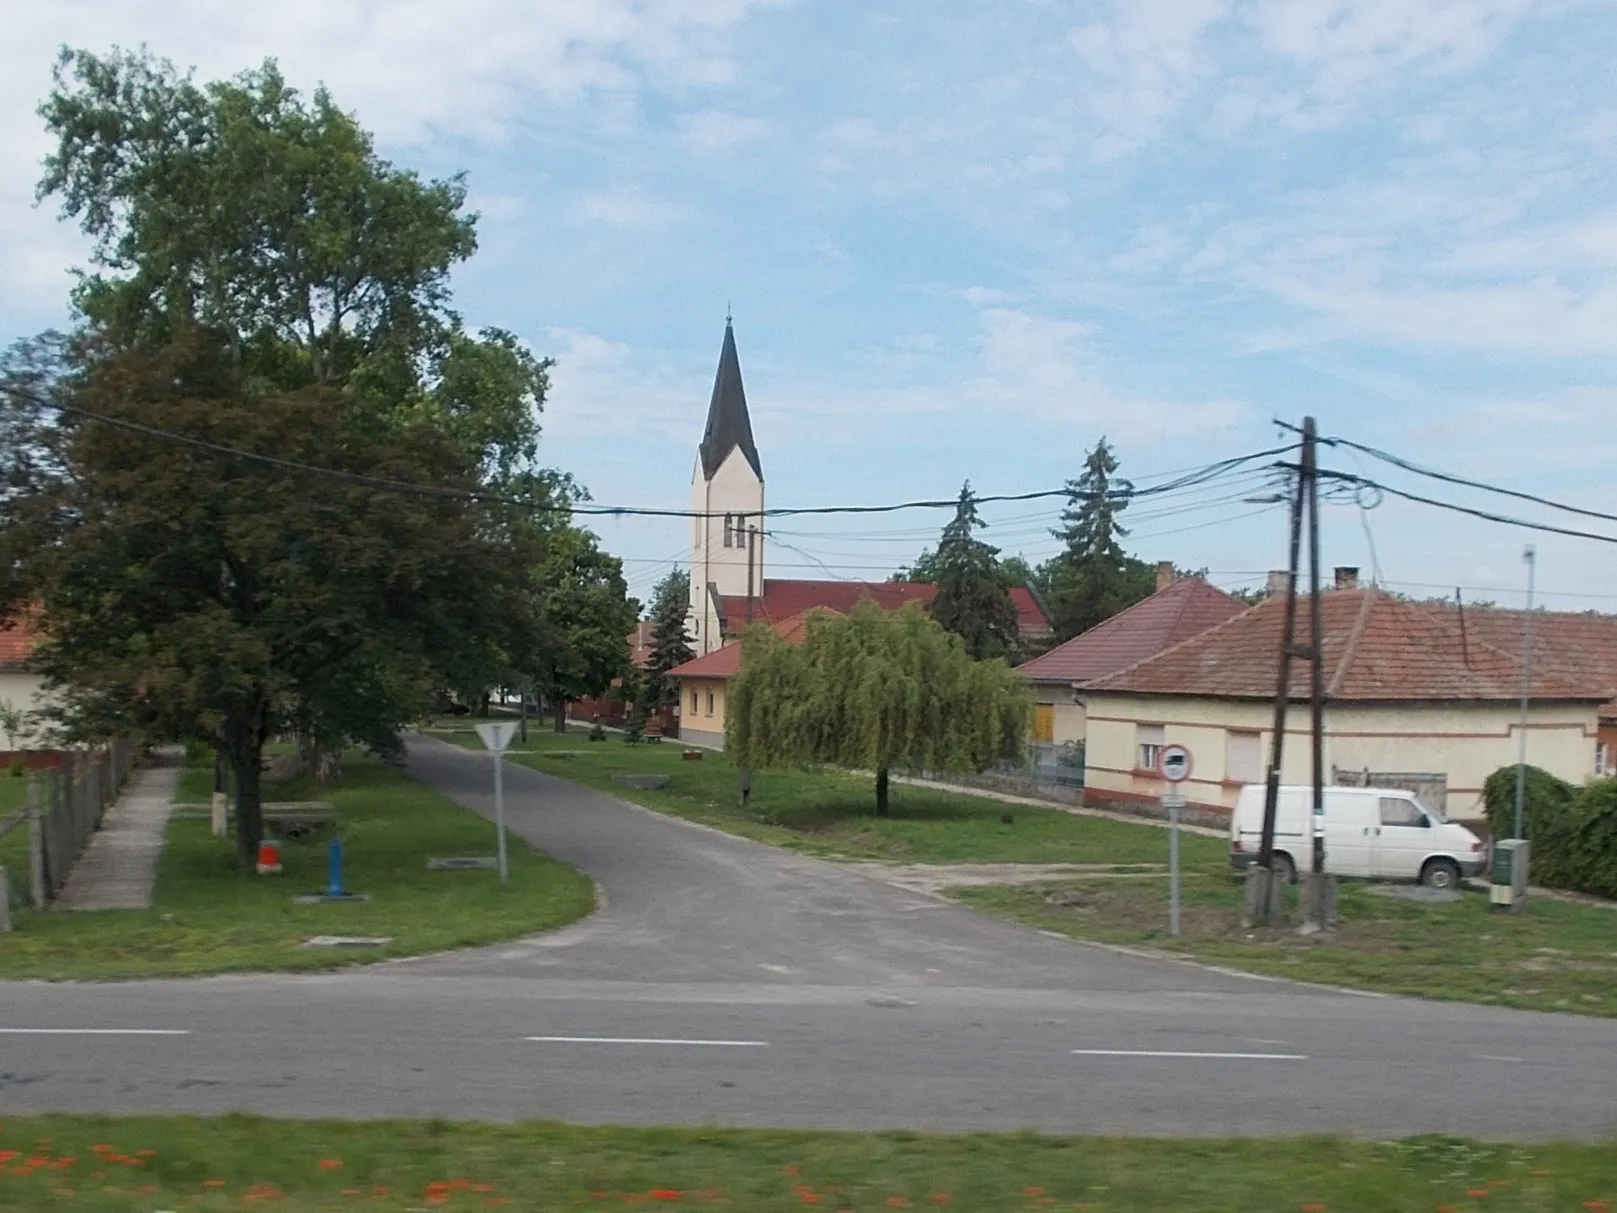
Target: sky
964	239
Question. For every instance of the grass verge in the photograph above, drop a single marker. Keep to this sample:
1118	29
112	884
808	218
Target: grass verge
210	917
121	1166
1559	956
832	814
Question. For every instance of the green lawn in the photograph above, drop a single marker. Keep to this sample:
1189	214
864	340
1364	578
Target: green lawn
14	846
136	1165
210	917
1559	956
831	814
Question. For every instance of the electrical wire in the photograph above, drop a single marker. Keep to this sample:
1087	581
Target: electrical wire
1188	479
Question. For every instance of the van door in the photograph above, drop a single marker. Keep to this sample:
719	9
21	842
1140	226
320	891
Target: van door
1349	833
1404	838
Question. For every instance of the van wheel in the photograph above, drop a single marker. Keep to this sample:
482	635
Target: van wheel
1440	874
1281	865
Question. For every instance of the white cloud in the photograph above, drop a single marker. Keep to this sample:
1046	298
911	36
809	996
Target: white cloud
719	132
1153	247
628	207
413	73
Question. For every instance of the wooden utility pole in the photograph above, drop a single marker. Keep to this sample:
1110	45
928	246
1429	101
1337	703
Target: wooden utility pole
1263	891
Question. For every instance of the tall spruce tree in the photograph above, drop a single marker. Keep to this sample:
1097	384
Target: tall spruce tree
972	600
1093	578
873	691
670	643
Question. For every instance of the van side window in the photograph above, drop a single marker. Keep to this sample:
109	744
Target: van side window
1396	811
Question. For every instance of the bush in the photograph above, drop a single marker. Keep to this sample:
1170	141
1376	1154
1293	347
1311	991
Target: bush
1547	802
1592	846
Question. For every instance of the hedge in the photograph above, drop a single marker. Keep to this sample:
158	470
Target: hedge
1573	831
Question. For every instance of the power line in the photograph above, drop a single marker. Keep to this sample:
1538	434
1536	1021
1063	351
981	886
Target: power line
1186	480
1464	482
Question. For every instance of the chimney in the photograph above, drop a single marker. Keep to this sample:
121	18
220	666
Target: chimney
1347	576
1164	574
1279	579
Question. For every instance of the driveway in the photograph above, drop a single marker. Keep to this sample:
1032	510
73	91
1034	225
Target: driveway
726	982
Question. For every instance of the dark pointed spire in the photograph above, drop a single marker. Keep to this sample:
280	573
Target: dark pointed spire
728	425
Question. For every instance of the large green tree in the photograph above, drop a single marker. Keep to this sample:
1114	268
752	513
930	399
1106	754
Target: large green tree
670	642
873	691
186	593
262	281
584	617
1093	578
972	600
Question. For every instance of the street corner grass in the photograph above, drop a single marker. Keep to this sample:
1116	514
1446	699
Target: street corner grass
209	916
831	814
146	1163
1559	956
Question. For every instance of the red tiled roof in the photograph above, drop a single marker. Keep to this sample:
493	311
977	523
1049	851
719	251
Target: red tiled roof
1184	609
725	661
1571	646
1377	648
781	599
17	641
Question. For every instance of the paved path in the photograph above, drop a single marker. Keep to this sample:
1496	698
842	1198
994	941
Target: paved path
119	868
726	982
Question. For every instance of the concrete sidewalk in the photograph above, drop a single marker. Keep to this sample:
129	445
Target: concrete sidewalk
119	868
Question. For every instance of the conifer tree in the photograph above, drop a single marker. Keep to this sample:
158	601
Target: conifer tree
972	599
1093	578
670	644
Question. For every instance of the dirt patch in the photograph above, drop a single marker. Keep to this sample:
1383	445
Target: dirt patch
935	877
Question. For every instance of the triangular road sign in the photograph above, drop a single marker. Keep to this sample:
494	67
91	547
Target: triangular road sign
497	734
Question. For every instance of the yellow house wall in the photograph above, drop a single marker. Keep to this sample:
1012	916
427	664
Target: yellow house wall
1067	716
25	691
1466	743
698	724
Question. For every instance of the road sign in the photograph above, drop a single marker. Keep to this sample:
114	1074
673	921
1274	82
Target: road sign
1173	764
497	734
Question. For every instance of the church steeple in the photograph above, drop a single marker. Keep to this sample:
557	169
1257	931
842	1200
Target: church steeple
728	425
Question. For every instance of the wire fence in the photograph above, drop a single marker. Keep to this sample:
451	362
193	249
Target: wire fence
65	808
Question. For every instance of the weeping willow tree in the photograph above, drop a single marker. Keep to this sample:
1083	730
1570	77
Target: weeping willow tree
874	691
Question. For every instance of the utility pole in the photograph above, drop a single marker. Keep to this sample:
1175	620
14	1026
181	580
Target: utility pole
1530	555
1319	890
1263	895
752	553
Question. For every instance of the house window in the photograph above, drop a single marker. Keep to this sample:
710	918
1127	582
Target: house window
727	531
1243	757
710	703
1147	745
693	703
1603	758
1044	723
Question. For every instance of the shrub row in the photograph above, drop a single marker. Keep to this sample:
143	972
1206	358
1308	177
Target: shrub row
1573	831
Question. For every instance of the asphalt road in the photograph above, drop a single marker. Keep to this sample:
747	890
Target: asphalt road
725	982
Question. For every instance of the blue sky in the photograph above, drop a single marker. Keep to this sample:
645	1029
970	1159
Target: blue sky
965	239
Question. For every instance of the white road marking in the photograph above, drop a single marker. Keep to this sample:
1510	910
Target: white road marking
94	1032
1173	1053
1493	1057
645	1040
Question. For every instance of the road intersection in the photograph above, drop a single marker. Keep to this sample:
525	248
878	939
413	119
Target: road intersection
726	982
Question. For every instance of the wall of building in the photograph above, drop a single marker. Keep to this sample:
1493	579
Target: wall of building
701	711
26	691
1066	717
734	489
1465	743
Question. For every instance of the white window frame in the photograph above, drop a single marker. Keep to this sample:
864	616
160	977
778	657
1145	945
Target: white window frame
1602	758
1148	742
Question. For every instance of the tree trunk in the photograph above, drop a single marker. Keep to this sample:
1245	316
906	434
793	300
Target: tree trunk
561	715
248	768
881	792
523	732
327	767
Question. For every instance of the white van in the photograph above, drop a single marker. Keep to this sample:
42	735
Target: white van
1384	833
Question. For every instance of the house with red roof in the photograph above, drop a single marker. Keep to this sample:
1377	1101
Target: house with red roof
20	685
1181	608
704	680
1421	689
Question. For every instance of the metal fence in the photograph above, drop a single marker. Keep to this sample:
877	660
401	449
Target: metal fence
1061	764
65	807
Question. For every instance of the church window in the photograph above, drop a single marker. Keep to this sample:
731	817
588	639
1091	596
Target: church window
729	530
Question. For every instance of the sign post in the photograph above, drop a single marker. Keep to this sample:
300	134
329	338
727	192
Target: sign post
496	735
1174	765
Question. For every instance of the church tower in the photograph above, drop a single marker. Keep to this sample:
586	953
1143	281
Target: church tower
727	545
